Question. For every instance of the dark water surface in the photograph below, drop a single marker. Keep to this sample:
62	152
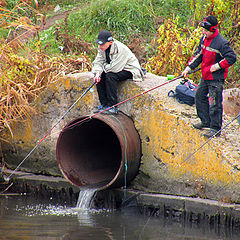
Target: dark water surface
24	218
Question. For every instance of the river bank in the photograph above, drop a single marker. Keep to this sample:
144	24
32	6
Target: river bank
165	130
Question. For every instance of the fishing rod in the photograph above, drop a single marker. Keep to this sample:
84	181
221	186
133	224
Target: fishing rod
47	134
193	153
89	117
128	99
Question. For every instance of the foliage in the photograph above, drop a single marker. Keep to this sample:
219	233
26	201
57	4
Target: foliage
25	71
71	44
218	8
126	19
227	13
43	3
171	41
174	50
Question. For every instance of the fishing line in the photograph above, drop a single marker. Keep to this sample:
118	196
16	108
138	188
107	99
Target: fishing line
143	229
89	117
125	159
128	99
7	178
190	155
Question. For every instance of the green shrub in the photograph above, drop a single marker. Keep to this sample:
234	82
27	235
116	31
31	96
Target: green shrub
126	19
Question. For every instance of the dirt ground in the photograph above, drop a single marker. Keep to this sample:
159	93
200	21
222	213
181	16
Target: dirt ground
49	21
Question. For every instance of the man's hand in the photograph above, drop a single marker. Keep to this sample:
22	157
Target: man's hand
97	78
213	68
186	71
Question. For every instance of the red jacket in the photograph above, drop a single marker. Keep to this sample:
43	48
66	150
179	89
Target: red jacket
214	50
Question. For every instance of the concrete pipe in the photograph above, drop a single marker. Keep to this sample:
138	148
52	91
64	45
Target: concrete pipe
93	153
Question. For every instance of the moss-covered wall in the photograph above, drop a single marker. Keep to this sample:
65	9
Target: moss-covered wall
168	139
166	134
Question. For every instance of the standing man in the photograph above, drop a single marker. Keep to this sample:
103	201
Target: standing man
215	56
114	63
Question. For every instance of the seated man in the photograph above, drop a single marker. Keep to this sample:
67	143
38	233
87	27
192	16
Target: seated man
114	62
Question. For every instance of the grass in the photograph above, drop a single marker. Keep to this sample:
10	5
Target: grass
126	19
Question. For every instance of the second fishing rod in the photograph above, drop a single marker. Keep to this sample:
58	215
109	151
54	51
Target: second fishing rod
89	117
131	98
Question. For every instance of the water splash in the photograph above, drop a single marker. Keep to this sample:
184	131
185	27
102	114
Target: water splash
85	197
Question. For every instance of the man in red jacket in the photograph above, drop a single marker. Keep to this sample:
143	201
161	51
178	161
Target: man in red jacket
215	56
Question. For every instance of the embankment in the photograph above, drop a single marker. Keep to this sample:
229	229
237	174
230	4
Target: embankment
167	139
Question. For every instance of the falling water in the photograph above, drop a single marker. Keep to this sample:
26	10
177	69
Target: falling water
85	197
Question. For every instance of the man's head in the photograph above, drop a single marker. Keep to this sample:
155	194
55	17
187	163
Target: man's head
104	39
210	23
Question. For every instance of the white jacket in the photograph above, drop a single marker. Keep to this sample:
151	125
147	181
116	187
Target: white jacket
121	57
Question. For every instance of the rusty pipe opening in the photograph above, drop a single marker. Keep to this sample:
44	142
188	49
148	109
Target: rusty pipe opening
93	153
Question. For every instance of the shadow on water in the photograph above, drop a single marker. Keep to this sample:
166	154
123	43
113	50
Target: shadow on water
26	218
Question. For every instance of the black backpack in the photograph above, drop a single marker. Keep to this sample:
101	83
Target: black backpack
184	93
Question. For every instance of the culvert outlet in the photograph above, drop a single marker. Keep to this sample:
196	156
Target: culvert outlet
93	153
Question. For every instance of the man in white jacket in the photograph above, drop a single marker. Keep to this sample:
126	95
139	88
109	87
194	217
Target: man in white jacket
114	62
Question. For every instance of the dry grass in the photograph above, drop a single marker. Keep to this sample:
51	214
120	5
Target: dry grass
25	71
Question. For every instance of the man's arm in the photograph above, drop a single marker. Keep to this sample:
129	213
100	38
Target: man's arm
195	60
229	57
98	62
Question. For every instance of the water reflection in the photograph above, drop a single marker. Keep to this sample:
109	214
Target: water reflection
85	218
24	218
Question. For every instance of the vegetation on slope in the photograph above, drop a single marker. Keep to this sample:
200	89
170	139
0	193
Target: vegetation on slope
163	34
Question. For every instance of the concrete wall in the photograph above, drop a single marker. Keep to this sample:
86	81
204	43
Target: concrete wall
166	133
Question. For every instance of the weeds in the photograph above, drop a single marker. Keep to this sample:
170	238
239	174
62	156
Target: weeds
127	20
174	48
25	71
70	44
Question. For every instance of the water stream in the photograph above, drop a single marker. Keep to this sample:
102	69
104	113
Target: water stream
85	198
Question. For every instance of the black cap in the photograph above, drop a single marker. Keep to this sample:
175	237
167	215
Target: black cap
210	23
103	37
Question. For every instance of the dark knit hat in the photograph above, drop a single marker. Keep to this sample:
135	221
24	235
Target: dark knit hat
103	37
210	23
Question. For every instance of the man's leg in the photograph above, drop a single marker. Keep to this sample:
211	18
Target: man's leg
202	104
111	85
101	89
215	103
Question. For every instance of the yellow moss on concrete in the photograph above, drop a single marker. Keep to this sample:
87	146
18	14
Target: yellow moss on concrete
171	139
21	134
174	140
66	83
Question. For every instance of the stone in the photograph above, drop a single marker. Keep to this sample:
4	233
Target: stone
231	101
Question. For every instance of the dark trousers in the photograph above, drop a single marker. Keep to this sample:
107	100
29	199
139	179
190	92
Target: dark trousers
107	87
208	101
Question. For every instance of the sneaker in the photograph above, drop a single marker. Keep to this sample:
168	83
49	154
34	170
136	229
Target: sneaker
113	110
100	108
200	125
212	133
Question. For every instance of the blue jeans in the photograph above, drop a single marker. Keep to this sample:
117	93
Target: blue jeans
208	100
